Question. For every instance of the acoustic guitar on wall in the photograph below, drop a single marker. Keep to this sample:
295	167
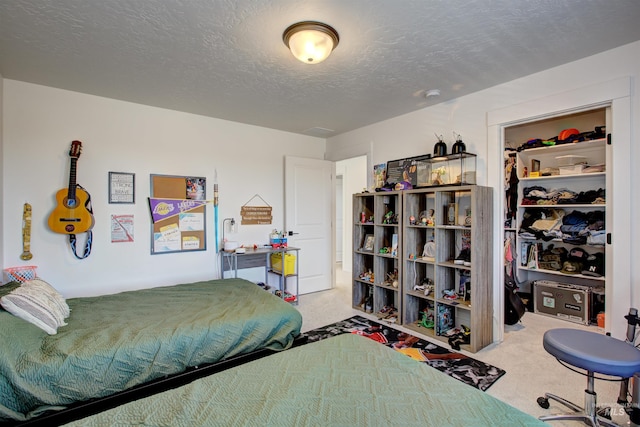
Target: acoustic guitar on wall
71	214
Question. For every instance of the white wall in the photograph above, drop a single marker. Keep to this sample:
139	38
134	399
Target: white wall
39	125
354	180
413	134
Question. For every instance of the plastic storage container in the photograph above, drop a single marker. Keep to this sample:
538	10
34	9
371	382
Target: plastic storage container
570	170
570	160
20	274
289	263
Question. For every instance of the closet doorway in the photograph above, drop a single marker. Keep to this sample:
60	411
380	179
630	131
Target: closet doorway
351	176
615	95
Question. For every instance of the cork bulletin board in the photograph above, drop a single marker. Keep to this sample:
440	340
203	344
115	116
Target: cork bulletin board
183	227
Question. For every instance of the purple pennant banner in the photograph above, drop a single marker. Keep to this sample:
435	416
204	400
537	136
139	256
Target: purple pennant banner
166	208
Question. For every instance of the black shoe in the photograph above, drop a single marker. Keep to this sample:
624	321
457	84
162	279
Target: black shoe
464	258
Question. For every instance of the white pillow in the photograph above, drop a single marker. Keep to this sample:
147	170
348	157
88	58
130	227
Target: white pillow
42	286
39	303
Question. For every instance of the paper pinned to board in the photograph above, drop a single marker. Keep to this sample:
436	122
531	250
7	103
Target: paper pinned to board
168	239
191	221
190	243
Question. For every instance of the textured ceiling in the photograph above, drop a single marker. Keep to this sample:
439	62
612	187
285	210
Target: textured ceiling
226	58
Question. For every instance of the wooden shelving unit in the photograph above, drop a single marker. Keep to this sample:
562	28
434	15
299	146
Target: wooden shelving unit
376	218
462	218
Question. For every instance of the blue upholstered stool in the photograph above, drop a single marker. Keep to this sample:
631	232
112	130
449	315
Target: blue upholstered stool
595	353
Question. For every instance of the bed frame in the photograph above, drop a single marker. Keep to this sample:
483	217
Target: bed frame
84	409
199	341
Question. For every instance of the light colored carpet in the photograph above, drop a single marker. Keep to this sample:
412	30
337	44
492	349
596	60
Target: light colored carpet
531	371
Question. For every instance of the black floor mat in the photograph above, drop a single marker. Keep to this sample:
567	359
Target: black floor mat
457	365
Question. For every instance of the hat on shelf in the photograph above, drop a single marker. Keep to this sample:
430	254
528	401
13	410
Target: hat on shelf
565	134
571	267
594	265
577	255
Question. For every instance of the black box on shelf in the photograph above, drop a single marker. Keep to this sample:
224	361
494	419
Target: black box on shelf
562	300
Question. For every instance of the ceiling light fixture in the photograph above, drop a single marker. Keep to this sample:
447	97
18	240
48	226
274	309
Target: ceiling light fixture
310	42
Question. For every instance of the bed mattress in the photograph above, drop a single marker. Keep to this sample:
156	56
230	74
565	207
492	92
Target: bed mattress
115	342
347	380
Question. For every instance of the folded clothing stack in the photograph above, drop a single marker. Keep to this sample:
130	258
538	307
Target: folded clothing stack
576	228
537	195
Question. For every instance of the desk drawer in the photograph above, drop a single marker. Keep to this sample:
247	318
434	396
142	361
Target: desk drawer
245	261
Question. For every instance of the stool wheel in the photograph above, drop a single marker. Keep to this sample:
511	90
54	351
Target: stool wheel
543	402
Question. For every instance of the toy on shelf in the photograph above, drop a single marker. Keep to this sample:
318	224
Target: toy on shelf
425	286
464	288
428	286
450	294
388	313
392	279
390	218
426	218
426	320
367	276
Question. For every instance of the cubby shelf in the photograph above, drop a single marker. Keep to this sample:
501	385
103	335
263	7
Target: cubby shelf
461	220
377	251
452	217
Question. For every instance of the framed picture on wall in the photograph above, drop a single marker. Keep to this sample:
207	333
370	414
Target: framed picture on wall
122	188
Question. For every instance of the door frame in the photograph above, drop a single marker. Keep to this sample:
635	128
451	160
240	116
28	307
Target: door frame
616	94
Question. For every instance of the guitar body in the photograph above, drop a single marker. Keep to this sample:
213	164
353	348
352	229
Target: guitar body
71	216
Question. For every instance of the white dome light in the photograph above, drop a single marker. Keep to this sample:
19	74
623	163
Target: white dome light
310	42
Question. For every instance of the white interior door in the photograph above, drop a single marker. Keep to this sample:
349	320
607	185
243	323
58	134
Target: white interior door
309	213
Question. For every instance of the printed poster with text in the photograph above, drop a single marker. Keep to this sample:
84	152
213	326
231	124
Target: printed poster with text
121	228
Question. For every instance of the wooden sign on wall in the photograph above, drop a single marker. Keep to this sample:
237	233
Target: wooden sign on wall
252	215
256	215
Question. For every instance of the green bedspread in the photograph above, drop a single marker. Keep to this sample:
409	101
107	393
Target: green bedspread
347	380
114	342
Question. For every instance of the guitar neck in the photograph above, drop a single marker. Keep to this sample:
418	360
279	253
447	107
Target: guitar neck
71	193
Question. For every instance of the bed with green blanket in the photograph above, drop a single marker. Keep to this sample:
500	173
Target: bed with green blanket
347	380
117	342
